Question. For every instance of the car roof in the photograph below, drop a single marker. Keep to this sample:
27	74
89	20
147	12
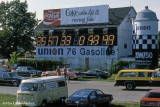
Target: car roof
155	90
136	70
89	90
44	79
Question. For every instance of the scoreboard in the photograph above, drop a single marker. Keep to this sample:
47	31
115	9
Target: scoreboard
86	43
77	37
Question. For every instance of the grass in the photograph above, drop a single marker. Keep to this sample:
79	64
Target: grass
9	101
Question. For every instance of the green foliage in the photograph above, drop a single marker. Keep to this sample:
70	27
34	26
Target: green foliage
43	65
119	65
17	27
14	58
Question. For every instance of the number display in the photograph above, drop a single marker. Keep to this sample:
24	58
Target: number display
109	37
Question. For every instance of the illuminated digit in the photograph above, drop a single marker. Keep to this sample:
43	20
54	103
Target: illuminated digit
53	41
81	40
90	40
68	40
44	41
39	41
63	40
76	40
105	40
111	39
63	32
96	39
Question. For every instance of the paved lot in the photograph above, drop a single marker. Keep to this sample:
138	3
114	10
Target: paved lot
119	93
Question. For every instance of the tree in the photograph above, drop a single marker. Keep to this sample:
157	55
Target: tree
16	27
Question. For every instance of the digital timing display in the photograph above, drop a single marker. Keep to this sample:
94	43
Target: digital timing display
78	37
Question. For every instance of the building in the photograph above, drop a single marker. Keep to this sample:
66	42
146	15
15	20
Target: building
88	45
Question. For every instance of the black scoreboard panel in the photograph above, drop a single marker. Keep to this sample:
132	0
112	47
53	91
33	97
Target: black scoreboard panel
78	37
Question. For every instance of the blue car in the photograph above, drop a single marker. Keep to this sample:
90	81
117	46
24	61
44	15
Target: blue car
89	98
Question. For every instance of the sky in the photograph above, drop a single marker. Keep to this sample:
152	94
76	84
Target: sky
39	5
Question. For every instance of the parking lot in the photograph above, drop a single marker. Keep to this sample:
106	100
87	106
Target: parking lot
119	93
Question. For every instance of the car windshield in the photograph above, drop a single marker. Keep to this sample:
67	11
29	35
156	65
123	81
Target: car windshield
13	74
153	95
21	68
158	73
81	94
28	87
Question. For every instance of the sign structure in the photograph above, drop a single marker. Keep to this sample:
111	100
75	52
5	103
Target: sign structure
79	15
76	52
90	43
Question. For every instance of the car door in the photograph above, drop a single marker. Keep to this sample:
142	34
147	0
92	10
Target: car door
1	78
152	79
92	73
93	97
101	97
7	79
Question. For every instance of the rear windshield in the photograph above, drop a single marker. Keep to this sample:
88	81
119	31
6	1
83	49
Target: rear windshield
81	94
153	95
28	87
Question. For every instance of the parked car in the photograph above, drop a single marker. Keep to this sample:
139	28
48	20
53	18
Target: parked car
72	73
10	78
27	71
40	91
96	73
151	99
89	98
130	78
2	70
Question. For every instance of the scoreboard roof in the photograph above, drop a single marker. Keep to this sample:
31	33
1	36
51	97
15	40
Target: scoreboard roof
116	16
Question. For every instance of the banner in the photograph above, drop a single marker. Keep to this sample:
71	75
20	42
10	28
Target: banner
80	15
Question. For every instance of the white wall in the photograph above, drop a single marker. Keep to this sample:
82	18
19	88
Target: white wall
125	36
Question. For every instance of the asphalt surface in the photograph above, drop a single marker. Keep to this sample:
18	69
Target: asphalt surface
119	93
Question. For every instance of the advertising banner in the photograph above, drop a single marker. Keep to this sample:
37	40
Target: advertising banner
76	52
79	15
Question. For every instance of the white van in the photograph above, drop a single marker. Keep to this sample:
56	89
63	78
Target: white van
40	91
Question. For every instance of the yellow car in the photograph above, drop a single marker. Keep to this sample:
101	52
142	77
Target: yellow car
137	77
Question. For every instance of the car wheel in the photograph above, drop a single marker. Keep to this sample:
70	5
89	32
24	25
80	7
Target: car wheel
130	86
44	104
15	84
109	102
94	105
99	77
62	100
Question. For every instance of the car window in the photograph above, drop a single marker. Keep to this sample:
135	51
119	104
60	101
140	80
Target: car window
99	92
61	84
5	76
151	74
127	74
71	70
13	75
141	74
30	68
92	95
21	68
153	95
1	75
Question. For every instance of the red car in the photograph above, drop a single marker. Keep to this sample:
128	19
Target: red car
151	99
72	74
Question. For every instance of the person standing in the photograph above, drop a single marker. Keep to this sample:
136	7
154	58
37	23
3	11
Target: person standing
58	71
65	73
